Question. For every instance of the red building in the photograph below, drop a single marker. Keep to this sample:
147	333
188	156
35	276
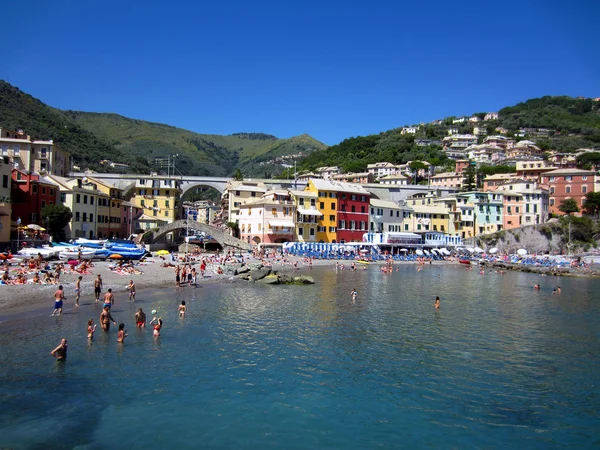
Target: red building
30	193
568	183
352	213
130	215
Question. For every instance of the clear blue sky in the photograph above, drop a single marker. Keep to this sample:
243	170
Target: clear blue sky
329	69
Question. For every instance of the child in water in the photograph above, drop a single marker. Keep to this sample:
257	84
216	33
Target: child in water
90	329
182	308
436	305
122	333
353	294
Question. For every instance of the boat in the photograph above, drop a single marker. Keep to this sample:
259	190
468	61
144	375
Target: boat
464	261
360	261
77	254
44	251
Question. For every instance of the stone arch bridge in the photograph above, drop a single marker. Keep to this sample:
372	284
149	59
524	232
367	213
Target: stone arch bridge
223	238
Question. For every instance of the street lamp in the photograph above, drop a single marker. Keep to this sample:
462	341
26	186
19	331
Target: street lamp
48	226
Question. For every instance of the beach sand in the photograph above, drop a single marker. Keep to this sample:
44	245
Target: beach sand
17	300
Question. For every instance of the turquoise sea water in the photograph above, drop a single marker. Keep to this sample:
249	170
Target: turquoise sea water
499	365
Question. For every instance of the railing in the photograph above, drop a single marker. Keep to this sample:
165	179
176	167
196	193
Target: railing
280	231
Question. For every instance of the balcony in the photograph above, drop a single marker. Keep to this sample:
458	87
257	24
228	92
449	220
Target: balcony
280	230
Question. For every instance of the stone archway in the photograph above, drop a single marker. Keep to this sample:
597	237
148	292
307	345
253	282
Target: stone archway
256	240
219	235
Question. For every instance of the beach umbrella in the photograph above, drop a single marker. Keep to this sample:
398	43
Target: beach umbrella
403	250
470	249
419	252
521	252
162	252
426	252
33	226
493	250
478	250
115	256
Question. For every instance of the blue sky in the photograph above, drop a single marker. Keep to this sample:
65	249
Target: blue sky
327	68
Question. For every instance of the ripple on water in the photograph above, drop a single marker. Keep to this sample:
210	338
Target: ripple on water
297	367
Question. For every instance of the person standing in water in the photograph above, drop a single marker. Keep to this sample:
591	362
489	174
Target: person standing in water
98	287
59	296
60	352
122	333
436	305
106	319
109	299
353	294
90	329
158	326
78	290
131	289
182	308
140	318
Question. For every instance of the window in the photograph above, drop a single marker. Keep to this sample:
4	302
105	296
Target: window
43	203
362	209
568	190
332	195
551	178
568	178
584	178
85	199
155	213
91	200
552	190
34	189
333	206
253	194
551	202
63	197
166	213
363	198
584	189
363	225
84	218
313	202
300	231
4	181
91	217
274	212
167	193
312	232
155	203
343	207
353	197
332	218
352	225
322	205
78	198
321	229
43	190
142	203
332	229
342	225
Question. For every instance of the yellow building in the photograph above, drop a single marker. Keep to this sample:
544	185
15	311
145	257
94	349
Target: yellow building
427	215
327	204
109	209
307	215
158	197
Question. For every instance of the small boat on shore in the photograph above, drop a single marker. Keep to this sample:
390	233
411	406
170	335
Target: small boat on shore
76	254
464	261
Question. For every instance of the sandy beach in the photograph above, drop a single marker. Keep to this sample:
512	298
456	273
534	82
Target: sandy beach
20	299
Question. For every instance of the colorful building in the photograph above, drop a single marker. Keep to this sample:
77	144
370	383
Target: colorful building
385	216
237	193
353	212
327	204
307	215
5	202
109	209
268	219
158	197
564	184
31	192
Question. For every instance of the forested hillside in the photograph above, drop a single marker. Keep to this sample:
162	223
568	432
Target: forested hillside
571	124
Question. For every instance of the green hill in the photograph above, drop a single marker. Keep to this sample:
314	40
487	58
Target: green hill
19	110
92	137
572	123
200	154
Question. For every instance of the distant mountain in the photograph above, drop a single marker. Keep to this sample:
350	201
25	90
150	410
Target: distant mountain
555	123
92	137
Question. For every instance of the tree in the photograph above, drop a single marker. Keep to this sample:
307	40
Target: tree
237	176
470	178
415	166
591	205
56	217
569	206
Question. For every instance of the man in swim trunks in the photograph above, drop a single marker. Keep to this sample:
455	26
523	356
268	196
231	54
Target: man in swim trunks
60	352
59	296
140	318
98	287
109	299
78	290
106	318
131	289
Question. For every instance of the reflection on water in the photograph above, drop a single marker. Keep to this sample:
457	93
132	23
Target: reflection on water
304	366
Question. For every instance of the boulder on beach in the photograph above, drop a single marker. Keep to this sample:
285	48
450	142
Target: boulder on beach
303	279
269	279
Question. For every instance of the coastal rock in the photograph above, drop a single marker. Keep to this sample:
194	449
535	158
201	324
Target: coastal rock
255	266
304	279
269	279
259	274
285	279
241	270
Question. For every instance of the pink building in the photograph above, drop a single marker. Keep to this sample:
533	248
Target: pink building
268	219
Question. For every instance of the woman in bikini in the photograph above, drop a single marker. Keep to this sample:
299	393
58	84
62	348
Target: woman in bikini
158	323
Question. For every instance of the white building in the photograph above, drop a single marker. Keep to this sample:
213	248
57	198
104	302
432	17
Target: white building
385	216
382	169
491	116
394	179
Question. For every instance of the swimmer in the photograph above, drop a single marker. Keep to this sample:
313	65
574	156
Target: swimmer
182	308
537	286
140	318
106	319
353	294
90	329
436	305
60	352
122	333
78	290
558	289
158	325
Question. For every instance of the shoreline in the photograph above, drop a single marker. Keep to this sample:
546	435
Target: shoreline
22	301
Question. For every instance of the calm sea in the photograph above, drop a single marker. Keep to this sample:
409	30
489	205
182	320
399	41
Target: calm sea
499	365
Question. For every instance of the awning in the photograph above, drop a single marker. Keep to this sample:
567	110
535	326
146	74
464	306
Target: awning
281	223
309	212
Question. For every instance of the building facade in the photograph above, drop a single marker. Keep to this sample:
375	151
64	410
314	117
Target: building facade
565	184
